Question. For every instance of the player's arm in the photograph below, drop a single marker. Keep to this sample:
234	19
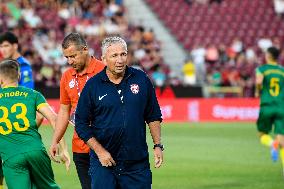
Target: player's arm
61	125
62	122
258	82
155	130
39	119
50	115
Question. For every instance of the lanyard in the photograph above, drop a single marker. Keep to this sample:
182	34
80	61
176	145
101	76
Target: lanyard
78	84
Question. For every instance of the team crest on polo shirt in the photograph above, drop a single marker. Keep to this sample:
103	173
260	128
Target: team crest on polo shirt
134	88
72	83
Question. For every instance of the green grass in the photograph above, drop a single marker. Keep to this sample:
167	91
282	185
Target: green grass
201	156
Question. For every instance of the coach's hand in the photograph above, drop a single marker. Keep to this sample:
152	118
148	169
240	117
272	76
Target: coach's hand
158	155
106	159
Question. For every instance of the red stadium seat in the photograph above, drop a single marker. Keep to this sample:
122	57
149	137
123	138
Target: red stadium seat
246	19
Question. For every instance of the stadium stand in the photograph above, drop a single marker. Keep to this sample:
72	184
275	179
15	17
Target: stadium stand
224	39
43	25
198	23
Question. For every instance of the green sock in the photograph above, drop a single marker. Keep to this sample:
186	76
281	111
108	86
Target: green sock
266	140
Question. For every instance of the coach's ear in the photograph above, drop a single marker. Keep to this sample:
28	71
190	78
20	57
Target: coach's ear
103	57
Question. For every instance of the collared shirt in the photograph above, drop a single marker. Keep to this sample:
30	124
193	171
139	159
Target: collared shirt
70	85
26	79
118	114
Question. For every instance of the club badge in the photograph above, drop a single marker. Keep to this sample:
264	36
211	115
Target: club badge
72	83
134	88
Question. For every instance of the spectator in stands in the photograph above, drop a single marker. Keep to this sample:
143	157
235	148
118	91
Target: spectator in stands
279	7
189	73
198	57
214	77
237	45
264	43
212	54
159	77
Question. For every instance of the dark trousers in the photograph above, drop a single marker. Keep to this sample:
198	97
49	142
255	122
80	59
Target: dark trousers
82	163
122	176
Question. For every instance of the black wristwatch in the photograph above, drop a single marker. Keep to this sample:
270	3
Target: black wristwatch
160	146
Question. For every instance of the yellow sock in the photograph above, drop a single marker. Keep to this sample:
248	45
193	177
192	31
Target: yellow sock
1	186
281	153
266	140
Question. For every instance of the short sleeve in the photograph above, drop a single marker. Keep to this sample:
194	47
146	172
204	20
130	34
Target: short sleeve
26	79
64	97
152	111
258	71
40	100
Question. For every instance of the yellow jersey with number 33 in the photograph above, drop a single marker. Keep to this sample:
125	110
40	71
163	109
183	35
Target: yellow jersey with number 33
272	92
18	129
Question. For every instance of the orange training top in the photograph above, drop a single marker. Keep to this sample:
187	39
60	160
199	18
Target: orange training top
71	85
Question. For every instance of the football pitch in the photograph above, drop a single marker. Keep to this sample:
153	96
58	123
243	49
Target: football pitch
201	156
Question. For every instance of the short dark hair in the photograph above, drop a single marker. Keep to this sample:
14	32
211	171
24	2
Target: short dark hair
9	68
274	52
9	36
74	39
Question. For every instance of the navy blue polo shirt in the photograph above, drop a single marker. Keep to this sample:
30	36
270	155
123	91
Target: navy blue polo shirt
116	115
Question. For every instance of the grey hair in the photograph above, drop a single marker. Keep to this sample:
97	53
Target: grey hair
74	39
107	42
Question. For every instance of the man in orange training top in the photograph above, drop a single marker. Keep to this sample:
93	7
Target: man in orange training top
84	66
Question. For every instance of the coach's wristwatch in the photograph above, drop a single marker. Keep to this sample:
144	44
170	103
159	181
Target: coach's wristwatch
160	146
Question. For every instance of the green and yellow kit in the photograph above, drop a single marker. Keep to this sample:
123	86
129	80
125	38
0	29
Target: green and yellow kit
271	99
25	161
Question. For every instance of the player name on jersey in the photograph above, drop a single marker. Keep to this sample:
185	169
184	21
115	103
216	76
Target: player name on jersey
273	71
12	94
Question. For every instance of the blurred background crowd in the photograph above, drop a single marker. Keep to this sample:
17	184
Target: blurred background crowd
42	24
224	39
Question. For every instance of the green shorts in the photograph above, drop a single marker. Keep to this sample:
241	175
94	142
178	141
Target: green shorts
29	170
270	116
1	170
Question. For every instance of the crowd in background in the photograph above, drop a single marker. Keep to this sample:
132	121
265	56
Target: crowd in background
42	24
232	65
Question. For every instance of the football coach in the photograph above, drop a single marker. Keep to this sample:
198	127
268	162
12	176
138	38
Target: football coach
111	118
